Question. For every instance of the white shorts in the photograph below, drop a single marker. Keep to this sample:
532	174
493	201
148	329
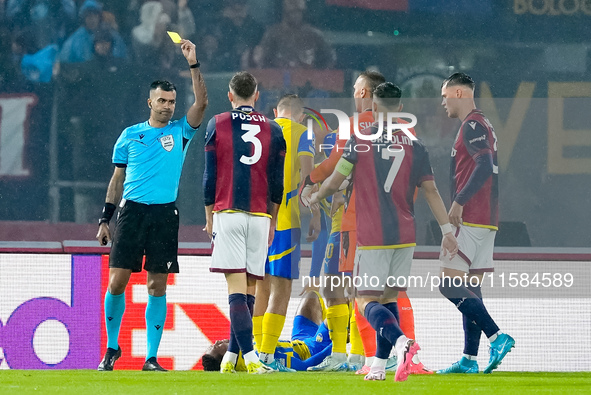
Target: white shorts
475	250
240	243
380	268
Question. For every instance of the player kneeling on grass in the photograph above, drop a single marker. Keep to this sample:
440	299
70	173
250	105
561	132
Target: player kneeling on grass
385	178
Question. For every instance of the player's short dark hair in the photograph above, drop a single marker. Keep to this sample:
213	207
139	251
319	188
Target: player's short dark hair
462	79
243	84
164	85
388	94
290	100
373	78
211	363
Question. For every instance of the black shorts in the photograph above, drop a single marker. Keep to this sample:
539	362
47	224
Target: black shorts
152	230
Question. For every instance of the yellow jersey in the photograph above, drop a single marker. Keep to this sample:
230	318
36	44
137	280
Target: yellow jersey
298	144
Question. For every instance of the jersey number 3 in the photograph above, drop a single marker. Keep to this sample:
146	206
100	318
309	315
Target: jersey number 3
251	137
398	157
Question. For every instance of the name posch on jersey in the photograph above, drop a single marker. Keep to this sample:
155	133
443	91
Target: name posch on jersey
249	117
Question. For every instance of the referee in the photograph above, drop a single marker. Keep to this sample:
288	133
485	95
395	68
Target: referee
148	160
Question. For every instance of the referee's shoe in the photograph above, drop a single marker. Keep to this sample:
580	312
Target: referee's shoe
151	365
109	360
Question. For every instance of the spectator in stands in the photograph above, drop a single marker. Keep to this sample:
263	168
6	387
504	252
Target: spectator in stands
87	117
79	47
7	70
181	17
234	35
13	47
151	46
50	21
292	43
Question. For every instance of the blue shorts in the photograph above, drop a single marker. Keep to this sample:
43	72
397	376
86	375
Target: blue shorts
319	247
316	337
331	257
284	255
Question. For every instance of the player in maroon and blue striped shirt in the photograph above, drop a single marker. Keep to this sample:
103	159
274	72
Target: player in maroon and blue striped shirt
385	174
474	213
243	189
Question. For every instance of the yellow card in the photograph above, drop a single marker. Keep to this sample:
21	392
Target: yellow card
174	36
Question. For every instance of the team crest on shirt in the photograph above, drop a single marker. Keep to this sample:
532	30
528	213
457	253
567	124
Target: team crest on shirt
167	142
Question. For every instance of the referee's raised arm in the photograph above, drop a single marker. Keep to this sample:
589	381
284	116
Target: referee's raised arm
196	111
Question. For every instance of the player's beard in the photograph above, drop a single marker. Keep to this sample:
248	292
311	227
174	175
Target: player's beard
163	116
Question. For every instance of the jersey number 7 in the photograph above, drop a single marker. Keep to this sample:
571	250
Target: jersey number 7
398	157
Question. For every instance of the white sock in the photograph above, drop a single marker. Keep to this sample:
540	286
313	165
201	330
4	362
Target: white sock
355	358
230	357
266	358
369	361
251	356
379	363
341	356
400	344
494	337
469	357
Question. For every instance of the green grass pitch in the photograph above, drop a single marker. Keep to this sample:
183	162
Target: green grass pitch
131	382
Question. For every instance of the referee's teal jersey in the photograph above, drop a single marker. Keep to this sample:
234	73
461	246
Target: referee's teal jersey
154	159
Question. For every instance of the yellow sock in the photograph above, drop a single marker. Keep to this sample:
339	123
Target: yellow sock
257	330
272	327
355	337
337	318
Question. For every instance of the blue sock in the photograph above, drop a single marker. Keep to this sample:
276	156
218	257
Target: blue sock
155	318
383	345
114	309
233	343
393	307
383	321
319	247
472	331
469	305
241	322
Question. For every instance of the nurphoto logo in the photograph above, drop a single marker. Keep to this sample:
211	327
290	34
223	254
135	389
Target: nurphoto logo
392	123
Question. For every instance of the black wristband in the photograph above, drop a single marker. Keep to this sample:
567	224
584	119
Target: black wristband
108	212
195	66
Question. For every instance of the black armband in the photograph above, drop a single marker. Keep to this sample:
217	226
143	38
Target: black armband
195	66
308	181
108	212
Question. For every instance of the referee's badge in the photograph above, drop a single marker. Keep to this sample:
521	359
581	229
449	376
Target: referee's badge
167	142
